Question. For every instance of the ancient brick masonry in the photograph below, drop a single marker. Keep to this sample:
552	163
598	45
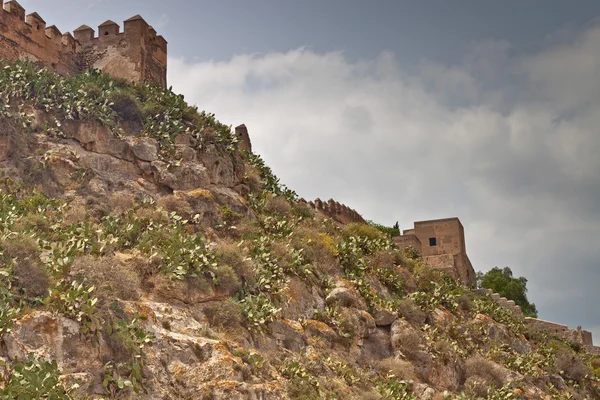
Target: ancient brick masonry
335	210
137	54
441	242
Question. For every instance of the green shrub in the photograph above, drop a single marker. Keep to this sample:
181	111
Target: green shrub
391	231
33	379
362	230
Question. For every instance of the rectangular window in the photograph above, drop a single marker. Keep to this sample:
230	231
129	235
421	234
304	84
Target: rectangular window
432	242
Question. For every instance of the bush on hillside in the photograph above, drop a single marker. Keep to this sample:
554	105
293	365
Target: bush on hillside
391	231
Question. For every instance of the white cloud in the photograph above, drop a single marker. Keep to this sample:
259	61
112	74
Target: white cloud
520	169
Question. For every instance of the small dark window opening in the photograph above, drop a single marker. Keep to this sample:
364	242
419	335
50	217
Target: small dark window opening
106	33
37	27
432	242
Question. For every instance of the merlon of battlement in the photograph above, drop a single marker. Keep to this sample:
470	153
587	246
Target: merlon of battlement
15	9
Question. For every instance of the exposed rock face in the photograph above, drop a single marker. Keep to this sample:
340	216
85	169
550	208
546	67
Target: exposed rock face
241	302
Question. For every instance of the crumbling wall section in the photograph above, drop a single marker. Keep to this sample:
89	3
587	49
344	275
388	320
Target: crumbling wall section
137	54
577	335
335	210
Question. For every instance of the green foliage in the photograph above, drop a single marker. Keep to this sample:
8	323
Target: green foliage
391	231
95	96
31	379
259	310
486	305
76	301
270	182
303	385
502	282
392	388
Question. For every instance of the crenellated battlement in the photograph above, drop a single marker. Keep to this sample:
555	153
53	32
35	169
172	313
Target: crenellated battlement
335	210
136	54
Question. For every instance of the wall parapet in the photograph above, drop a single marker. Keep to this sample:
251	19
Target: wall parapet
577	335
502	301
137	54
335	210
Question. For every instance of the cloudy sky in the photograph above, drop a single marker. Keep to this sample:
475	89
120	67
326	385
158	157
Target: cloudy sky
412	110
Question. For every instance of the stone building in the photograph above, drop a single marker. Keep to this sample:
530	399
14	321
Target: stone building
441	242
137	54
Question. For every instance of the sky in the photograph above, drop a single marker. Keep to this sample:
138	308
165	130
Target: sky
412	110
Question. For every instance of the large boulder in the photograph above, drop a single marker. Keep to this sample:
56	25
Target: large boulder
346	297
187	176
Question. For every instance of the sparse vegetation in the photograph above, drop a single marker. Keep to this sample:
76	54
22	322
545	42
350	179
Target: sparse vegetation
231	290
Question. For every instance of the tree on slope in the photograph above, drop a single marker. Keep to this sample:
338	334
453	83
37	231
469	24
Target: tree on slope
502	282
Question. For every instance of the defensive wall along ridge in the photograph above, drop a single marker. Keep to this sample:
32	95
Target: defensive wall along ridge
441	242
136	54
335	210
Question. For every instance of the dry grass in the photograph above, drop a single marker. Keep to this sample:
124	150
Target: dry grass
224	314
478	370
76	212
121	202
278	205
30	276
112	277
230	254
319	248
410	311
382	259
33	223
404	370
252	179
175	204
570	366
408	342
363	230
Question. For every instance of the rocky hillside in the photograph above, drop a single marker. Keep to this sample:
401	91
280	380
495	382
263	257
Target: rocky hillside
143	255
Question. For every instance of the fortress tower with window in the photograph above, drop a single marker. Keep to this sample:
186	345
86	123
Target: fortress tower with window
441	242
137	54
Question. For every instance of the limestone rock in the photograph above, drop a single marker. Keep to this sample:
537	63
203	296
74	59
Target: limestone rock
441	318
319	329
188	176
145	149
346	297
54	338
378	345
384	317
423	391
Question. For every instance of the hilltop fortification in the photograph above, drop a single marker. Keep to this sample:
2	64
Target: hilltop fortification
137	54
442	244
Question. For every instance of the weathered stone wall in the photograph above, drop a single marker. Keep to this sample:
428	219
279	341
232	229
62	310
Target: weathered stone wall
448	253
408	239
335	210
137	54
502	301
241	132
577	335
27	38
448	233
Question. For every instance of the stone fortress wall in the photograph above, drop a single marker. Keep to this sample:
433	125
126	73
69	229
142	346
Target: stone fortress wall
137	54
335	210
441	242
